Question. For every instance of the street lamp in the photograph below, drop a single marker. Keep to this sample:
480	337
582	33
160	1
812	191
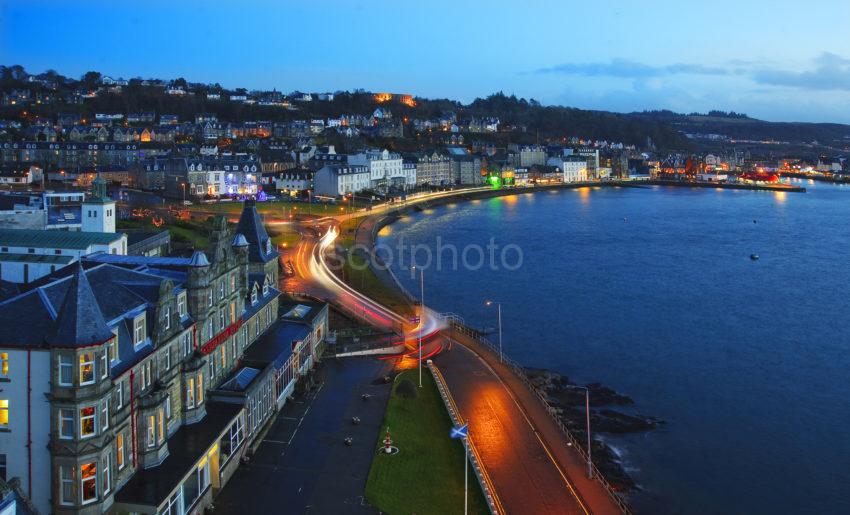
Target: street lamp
421	316
499	311
587	420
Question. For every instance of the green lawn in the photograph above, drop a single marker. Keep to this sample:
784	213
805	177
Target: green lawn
191	232
426	476
275	207
361	277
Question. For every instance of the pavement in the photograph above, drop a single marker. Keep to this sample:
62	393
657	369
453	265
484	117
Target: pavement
302	464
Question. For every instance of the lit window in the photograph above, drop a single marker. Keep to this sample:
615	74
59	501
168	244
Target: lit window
4	364
190	393
66	370
87	416
66	478
119	445
4	413
151	431
66	424
161	425
223	357
86	368
88	482
200	388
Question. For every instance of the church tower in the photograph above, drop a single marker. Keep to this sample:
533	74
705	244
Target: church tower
98	209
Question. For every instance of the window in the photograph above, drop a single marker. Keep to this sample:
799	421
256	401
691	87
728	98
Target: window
66	480
232	282
232	439
161	425
254	295
190	393
66	424
86	368
181	304
167	364
209	298
221	289
106	475
4	364
66	370
4	413
210	330
168	407
110	350
232	312
119	395
223	357
139	329
88	482
151	431
167	317
104	360
265	287
87	419
221	322
200	388
104	414
119	446
187	343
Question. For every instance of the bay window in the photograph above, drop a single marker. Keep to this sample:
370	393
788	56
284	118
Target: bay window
66	485
190	392
161	425
104	414
87	422
151	439
104	364
66	423
105	474
88	482
66	370
86	368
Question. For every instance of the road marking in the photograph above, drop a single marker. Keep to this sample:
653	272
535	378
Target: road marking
534	430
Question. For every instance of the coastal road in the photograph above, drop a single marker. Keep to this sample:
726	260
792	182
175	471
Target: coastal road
531	467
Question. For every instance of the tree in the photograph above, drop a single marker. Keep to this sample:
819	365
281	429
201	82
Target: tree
407	389
91	79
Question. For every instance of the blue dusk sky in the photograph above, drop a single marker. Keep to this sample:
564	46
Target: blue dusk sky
780	60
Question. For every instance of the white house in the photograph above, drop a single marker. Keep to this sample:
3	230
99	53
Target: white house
334	180
27	255
383	165
575	169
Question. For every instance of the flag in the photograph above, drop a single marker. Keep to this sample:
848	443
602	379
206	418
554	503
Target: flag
460	431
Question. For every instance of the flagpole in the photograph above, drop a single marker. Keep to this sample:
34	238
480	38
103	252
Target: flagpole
465	475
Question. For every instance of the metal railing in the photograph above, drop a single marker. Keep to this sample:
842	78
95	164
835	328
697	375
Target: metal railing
456	323
487	488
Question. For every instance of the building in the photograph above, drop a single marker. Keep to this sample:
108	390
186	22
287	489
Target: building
127	376
334	180
295	181
21	175
532	155
42	210
433	169
27	254
575	169
385	167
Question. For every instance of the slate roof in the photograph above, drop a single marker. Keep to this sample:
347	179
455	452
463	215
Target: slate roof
276	345
251	226
79	321
55	239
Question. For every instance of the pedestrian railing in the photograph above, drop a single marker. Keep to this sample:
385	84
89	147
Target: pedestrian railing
456	323
493	503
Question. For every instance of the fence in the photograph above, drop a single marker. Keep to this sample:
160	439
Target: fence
493	502
457	323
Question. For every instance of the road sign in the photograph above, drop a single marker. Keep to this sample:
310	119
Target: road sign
460	431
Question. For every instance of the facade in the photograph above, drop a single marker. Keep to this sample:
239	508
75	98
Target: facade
295	181
532	155
27	255
50	210
575	169
116	374
384	166
336	180
433	169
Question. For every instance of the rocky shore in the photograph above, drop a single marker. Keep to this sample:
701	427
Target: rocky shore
568	399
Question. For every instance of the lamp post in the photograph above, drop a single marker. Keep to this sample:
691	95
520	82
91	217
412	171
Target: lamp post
499	311
421	316
587	421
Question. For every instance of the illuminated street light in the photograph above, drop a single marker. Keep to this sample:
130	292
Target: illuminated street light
499	310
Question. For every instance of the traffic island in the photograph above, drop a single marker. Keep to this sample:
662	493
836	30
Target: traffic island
426	476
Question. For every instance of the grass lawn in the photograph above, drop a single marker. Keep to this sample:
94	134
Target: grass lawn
194	233
426	476
360	277
273	207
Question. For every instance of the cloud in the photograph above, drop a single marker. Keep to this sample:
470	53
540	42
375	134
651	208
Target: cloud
624	68
831	72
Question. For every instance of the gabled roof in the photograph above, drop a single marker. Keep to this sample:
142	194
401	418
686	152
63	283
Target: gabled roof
79	321
251	227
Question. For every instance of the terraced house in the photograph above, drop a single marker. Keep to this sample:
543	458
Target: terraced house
122	387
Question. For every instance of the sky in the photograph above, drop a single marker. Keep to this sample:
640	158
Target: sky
778	60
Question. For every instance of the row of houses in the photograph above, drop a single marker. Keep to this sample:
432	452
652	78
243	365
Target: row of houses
136	384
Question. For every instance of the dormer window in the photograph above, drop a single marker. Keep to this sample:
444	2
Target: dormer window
265	287
254	295
181	305
139	329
